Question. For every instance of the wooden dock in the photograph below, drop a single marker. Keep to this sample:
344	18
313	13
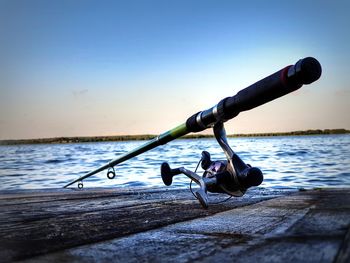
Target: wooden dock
164	225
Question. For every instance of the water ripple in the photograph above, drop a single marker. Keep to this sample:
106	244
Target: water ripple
300	161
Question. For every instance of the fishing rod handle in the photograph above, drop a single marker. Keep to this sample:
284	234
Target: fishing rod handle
282	82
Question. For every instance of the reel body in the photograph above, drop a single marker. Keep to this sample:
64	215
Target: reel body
231	176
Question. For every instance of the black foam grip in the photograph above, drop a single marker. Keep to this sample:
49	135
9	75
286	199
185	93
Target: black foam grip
280	83
263	91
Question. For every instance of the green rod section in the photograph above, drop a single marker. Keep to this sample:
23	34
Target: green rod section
161	139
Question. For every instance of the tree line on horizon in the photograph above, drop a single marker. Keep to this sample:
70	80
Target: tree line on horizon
61	140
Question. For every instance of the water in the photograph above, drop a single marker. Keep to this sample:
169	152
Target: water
294	161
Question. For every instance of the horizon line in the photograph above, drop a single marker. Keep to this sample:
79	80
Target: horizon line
99	138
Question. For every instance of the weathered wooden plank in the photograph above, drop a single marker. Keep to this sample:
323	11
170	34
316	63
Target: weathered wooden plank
308	226
344	251
34	223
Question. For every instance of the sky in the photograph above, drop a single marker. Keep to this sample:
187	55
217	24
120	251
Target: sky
96	68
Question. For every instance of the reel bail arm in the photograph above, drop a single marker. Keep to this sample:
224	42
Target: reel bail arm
201	194
243	175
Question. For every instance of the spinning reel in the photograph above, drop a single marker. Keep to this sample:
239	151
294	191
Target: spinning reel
231	176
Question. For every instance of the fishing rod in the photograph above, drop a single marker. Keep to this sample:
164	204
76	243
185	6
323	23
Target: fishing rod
231	176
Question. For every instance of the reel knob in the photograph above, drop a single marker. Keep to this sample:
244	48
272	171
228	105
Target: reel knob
251	176
167	173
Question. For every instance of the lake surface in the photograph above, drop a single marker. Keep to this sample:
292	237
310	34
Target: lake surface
291	161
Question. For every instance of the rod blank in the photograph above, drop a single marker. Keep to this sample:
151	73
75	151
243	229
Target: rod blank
282	82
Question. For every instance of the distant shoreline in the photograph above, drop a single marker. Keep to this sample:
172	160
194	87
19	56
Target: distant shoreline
82	139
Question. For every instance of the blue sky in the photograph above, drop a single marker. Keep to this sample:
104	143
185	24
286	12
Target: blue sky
72	68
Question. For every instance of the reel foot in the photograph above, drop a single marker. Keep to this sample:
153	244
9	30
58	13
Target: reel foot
202	197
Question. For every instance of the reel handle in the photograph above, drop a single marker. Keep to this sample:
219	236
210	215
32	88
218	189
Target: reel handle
167	173
201	194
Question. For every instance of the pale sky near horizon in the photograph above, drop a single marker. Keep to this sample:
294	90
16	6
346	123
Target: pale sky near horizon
90	68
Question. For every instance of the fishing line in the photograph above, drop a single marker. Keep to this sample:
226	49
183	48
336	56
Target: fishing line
215	203
192	180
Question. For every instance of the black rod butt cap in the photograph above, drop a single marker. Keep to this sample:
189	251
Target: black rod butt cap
305	71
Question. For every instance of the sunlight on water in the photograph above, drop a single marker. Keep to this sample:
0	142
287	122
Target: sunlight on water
295	161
